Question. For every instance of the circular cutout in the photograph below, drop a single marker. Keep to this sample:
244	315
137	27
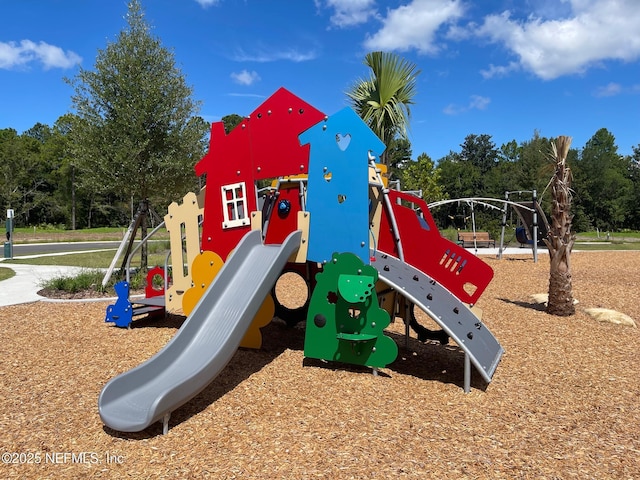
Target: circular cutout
292	296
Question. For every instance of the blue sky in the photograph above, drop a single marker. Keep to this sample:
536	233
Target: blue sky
505	68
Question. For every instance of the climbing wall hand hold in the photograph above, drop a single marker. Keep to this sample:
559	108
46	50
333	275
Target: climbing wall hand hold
284	207
320	320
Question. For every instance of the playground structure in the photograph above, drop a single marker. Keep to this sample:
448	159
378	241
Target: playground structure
366	252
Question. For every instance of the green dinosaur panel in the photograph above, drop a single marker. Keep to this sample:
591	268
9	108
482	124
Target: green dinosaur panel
344	322
355	288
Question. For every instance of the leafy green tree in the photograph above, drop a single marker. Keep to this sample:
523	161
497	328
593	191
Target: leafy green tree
384	98
509	152
72	202
25	183
423	175
399	156
136	133
534	169
231	121
633	203
459	179
603	185
479	151
465	174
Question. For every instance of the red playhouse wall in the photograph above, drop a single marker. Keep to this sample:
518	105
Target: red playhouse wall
264	145
459	271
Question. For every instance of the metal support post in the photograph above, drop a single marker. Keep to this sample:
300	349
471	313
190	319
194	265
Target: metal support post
8	245
467	373
535	227
165	423
504	225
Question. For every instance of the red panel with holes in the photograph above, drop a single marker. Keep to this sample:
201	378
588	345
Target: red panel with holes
459	271
274	128
283	214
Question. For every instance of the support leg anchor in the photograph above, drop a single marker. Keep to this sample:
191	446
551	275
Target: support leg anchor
165	423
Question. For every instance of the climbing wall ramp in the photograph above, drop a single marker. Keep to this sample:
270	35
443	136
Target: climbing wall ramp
455	318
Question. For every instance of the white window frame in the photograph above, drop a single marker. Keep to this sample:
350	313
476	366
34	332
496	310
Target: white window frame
236	204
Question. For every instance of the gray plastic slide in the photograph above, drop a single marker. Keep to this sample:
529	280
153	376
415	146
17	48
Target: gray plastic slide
444	308
205	343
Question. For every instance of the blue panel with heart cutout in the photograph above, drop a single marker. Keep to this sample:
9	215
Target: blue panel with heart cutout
338	185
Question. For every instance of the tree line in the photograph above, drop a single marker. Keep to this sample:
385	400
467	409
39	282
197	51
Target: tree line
606	184
45	184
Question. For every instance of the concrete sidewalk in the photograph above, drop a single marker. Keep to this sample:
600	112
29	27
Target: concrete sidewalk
507	252
23	287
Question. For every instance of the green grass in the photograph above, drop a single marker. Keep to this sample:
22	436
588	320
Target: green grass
6	273
57	234
88	260
627	236
90	280
607	246
86	280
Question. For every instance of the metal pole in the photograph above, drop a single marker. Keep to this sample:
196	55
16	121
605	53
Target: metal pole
473	225
8	245
504	224
467	373
535	227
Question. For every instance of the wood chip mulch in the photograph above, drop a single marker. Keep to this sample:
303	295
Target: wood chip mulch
563	402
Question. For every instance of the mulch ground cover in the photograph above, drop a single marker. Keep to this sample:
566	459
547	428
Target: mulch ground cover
563	402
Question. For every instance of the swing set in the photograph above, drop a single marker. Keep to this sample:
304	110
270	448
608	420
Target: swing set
532	222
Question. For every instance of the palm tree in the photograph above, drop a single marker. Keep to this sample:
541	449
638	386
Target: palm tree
383	100
560	239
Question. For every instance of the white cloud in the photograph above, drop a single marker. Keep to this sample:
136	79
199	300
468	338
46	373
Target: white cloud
348	13
612	89
595	31
247	95
414	25
476	102
245	77
500	70
267	55
609	90
13	55
207	3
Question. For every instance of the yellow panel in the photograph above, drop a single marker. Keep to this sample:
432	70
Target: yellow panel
204	269
383	173
253	337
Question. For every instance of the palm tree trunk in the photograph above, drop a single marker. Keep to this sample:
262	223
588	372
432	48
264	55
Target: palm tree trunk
560	239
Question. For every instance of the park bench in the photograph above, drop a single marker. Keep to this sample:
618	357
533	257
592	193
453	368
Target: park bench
482	239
